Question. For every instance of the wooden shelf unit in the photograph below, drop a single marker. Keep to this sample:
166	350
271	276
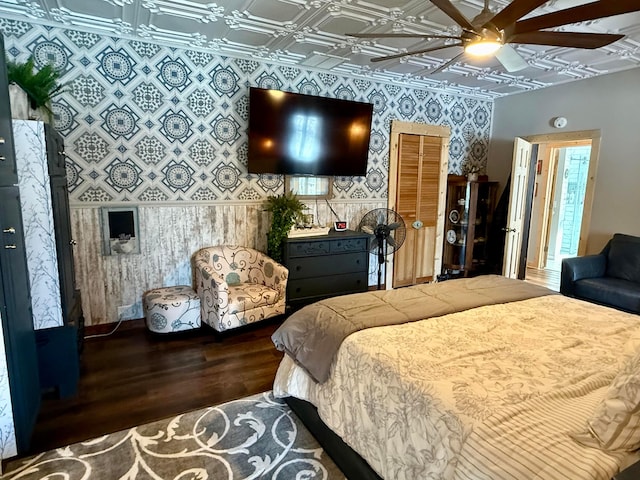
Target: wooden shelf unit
470	206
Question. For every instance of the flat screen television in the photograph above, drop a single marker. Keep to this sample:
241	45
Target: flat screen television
296	134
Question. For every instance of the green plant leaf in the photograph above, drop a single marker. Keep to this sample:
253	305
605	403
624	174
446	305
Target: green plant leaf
40	85
285	210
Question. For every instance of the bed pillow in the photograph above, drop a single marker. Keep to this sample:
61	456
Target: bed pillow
615	423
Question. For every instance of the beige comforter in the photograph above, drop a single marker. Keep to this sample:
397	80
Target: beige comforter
312	335
470	394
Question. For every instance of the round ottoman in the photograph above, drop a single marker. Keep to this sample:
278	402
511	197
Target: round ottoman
171	309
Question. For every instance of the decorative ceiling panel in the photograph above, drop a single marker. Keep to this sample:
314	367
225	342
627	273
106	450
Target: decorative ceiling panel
312	33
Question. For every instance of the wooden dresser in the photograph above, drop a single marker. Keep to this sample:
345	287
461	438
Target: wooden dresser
325	266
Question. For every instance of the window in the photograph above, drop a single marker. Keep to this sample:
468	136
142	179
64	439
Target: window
309	186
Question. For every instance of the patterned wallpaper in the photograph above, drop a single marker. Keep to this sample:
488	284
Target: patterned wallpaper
149	123
37	219
8	446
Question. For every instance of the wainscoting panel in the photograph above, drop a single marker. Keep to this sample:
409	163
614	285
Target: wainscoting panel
169	236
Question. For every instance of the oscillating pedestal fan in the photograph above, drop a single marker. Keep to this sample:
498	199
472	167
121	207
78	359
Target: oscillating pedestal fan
388	230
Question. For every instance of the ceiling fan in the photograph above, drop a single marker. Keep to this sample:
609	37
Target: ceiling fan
490	33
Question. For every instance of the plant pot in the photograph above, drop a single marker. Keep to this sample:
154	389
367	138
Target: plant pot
21	106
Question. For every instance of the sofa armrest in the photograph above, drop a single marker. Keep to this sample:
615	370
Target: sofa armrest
574	269
278	281
205	272
214	295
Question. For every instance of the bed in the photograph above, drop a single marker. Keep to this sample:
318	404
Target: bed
483	378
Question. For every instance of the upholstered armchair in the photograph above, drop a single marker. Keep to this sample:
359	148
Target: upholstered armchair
238	285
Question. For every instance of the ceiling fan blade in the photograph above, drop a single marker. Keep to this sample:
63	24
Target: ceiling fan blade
415	52
399	35
452	12
447	64
581	13
565	39
511	60
512	12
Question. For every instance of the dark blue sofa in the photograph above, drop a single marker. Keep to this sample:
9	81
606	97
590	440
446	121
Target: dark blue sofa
610	278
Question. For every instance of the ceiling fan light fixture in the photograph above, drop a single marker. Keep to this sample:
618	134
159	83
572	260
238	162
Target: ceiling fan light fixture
483	48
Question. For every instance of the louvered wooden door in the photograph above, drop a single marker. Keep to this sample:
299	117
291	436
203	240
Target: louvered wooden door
417	201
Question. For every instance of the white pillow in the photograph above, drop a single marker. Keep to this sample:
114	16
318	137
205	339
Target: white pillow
615	423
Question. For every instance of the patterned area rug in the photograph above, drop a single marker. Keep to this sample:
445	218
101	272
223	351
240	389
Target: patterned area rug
254	437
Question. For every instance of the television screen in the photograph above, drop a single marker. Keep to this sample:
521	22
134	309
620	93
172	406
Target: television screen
296	134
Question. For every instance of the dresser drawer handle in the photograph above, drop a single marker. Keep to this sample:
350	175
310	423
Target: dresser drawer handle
10	247
298	268
10	230
2	140
2	158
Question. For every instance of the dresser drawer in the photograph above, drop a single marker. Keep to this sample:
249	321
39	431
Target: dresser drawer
306	267
308	249
349	245
326	247
325	266
315	288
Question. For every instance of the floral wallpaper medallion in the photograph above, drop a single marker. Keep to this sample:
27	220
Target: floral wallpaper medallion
144	122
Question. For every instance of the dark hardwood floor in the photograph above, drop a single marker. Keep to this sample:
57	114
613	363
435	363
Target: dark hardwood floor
134	377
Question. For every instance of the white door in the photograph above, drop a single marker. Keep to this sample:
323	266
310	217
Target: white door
517	202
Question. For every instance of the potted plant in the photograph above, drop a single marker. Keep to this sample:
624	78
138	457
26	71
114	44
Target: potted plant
471	171
285	210
40	86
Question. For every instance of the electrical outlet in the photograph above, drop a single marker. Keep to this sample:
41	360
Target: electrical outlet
129	312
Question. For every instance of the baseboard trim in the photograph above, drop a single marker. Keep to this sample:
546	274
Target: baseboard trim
103	328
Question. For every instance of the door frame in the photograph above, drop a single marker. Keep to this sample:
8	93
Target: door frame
595	137
544	214
397	128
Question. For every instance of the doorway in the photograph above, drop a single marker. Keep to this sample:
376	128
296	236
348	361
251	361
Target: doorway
417	192
557	209
559	196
